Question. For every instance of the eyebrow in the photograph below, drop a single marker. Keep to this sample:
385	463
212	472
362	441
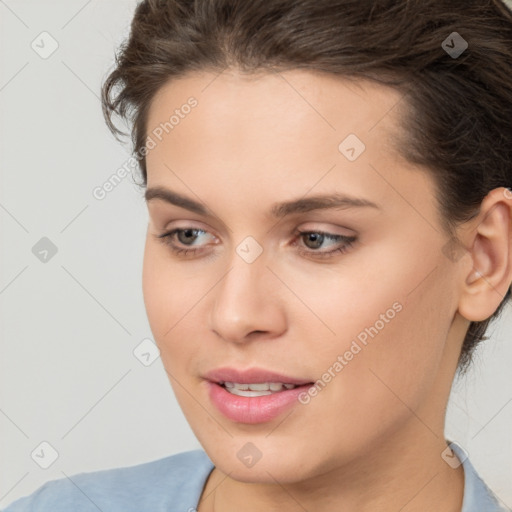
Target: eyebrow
278	210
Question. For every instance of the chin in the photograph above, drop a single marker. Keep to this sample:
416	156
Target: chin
262	473
266	467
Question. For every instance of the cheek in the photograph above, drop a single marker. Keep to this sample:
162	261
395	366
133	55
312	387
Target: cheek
394	375
392	320
168	291
175	298
154	282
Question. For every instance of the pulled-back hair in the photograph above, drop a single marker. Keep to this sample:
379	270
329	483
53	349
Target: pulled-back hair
458	120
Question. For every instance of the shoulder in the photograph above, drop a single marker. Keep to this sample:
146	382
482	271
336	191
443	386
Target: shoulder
477	496
177	479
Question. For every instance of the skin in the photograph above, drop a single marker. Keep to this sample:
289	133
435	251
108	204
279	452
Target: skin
372	438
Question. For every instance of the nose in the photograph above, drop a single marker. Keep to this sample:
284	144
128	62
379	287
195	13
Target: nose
247	302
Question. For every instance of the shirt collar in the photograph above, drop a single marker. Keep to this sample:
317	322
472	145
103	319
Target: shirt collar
477	496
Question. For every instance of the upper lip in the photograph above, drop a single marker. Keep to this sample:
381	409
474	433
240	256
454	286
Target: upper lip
251	376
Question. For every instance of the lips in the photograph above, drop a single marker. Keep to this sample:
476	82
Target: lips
254	409
249	406
251	376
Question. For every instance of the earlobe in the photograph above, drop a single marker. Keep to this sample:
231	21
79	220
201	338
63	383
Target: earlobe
490	247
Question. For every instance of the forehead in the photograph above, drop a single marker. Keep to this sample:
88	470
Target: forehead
273	135
270	108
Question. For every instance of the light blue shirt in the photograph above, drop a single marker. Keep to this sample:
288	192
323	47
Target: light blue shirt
175	484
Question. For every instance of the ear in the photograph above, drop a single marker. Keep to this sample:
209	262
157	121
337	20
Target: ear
489	243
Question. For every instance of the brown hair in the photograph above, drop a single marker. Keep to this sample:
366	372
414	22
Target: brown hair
459	118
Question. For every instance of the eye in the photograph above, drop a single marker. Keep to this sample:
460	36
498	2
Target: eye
317	238
187	236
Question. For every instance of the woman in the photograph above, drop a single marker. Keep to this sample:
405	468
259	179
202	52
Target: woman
329	237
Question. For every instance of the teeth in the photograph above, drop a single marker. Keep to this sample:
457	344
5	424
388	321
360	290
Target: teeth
256	389
238	386
248	393
263	386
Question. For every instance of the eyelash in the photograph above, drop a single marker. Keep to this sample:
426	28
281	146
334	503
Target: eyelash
348	241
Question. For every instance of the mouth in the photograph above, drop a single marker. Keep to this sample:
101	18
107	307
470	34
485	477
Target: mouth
258	389
253	395
254	402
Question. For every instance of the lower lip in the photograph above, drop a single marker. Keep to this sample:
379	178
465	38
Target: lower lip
258	409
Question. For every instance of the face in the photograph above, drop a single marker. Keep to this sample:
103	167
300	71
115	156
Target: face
363	304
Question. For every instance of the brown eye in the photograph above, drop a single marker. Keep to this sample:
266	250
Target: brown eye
188	235
315	239
185	236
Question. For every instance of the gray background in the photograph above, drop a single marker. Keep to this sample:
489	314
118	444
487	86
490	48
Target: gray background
69	325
